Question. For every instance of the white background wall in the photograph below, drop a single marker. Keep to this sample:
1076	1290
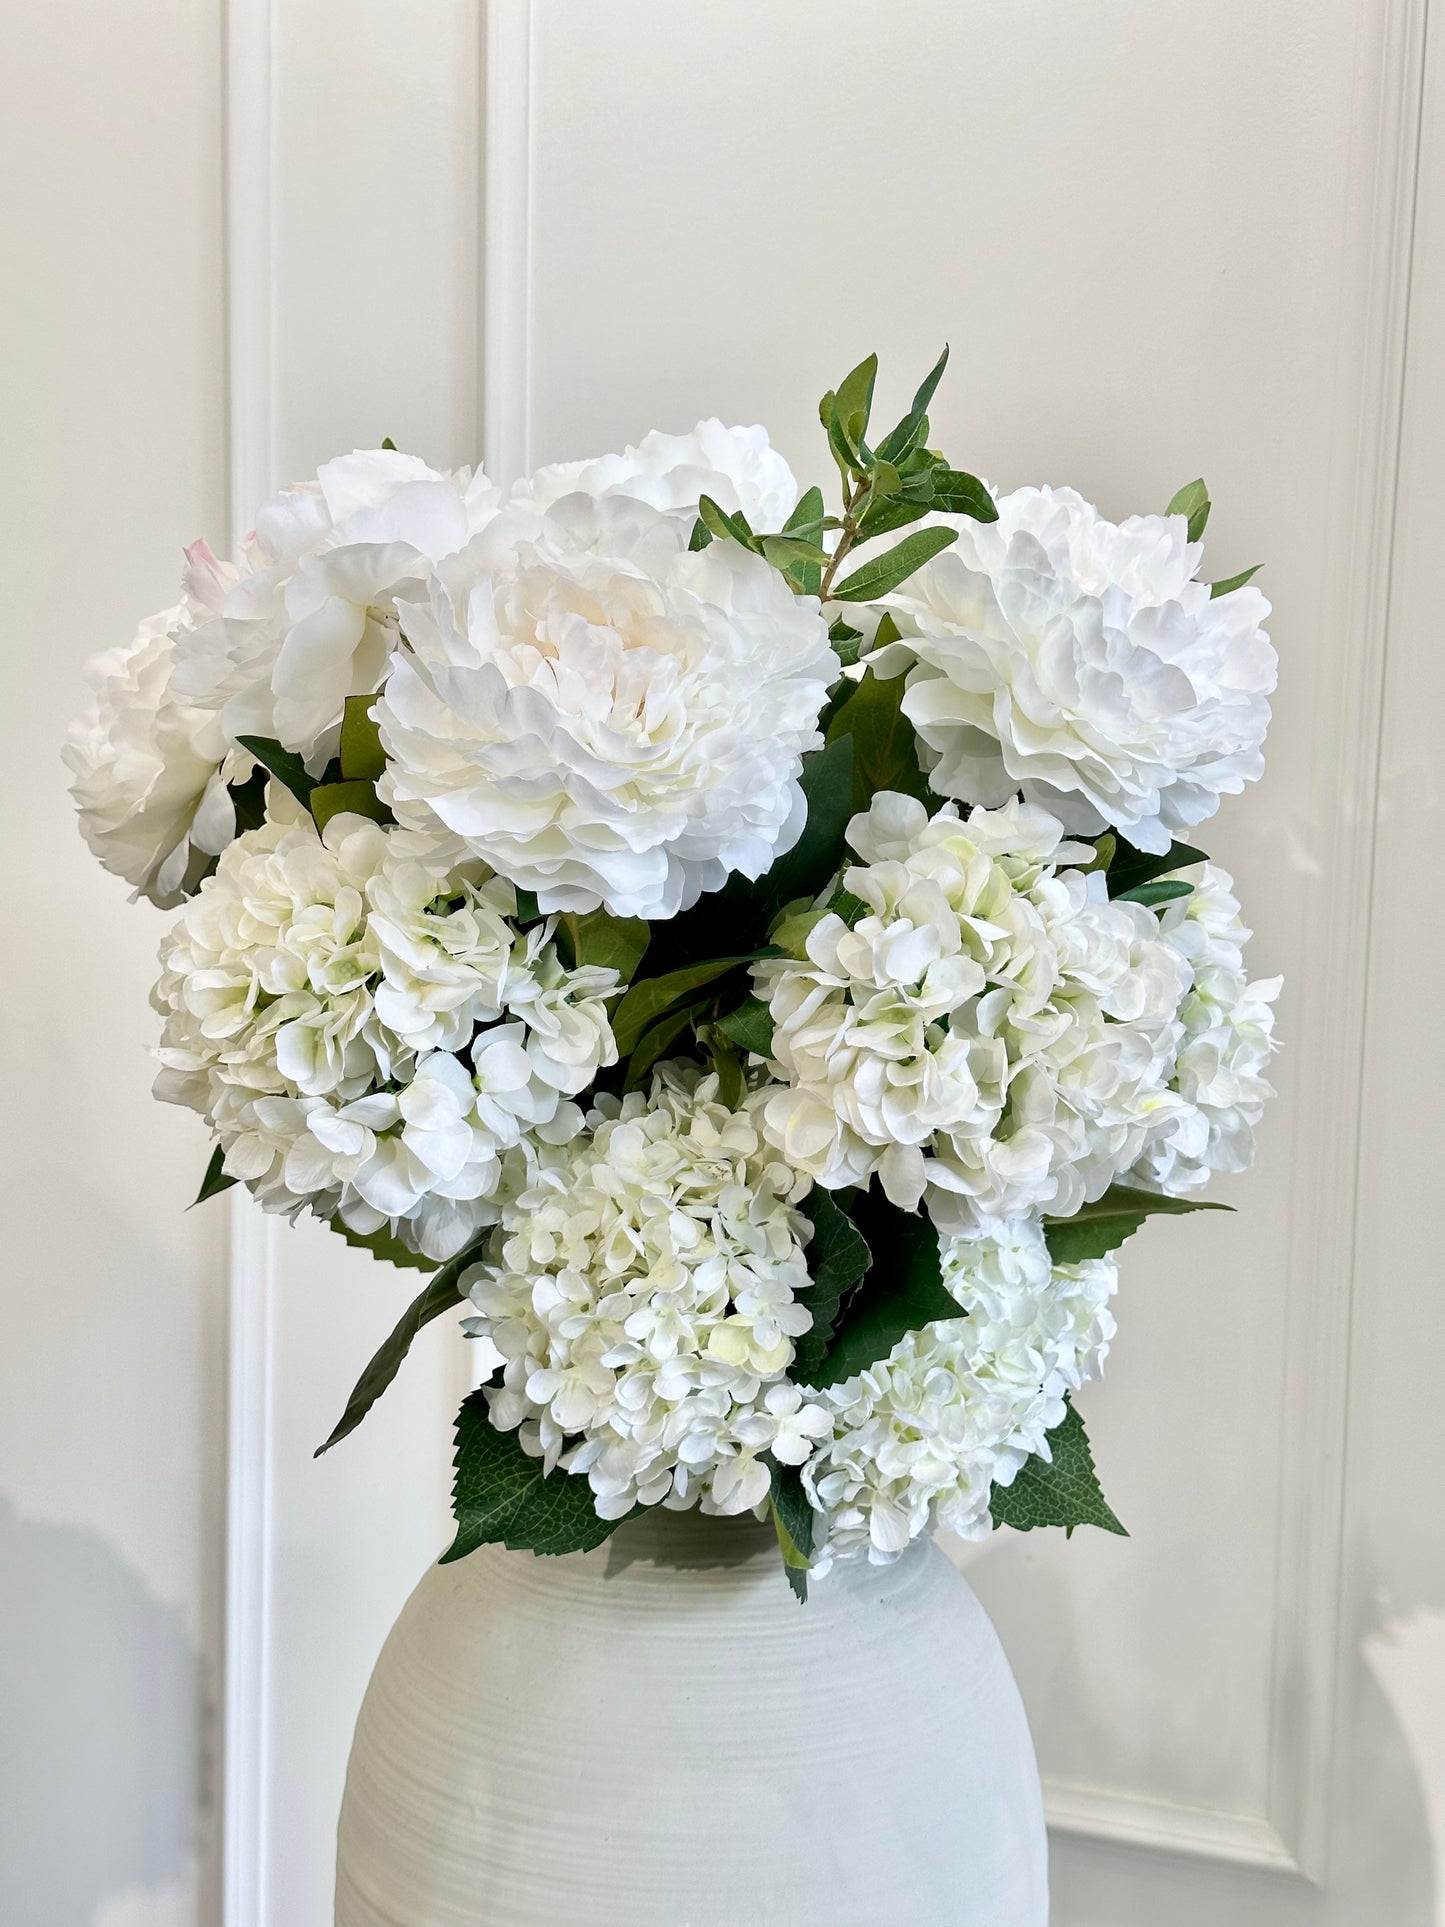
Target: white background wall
1162	238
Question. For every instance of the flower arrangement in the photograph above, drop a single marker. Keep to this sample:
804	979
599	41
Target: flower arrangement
765	981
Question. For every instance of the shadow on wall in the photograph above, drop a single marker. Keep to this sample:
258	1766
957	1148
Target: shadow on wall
100	1712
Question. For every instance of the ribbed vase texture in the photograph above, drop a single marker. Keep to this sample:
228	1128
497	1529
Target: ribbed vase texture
656	1734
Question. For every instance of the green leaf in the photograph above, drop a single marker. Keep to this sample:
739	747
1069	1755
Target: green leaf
215	1181
845	456
808	514
1104	847
787	552
441	1294
750	1026
794	1520
656	1043
1164	890
957	493
1062	1492
885	748
838	1258
353	798
647	1001
363	759
722	525
249	800
902	1292
528	910
597	937
1103	1226
846	643
898	441
700	537
501	1496
896	512
895	565
284	764
851	909
1128	867
732	1086
1233	582
855	404
383	1245
1192	501
388	443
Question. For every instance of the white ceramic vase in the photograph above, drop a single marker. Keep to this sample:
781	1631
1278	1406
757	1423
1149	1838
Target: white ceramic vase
656	1734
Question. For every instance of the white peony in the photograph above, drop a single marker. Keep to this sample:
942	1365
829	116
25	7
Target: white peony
307	616
1080	660
1228	1039
737	467
643	1288
991	1033
354	1017
920	1438
150	770
605	716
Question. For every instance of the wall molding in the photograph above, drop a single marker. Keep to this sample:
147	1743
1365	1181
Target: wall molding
1292	1835
249	100
505	255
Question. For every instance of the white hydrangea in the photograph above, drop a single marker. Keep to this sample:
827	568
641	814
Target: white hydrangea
738	467
1228	1039
1080	660
367	1031
605	716
992	1032
919	1439
151	771
642	1288
307	616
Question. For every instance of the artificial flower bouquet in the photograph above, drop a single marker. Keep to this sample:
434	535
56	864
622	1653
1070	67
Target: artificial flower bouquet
747	952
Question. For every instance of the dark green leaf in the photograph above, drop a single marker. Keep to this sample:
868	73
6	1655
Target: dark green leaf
885	749
1192	501
881	518
441	1294
1103	1226
851	909
1163	891
846	457
902	1292
383	1245
342	799
957	493
1128	867
1064	1492
215	1181
596	937
750	1026
363	759
701	535
793	1519
838	1257
500	1495
898	441
1233	582
528	910
249	799
808	514
284	764
658	1041
732	1086
647	1001
895	565
389	444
